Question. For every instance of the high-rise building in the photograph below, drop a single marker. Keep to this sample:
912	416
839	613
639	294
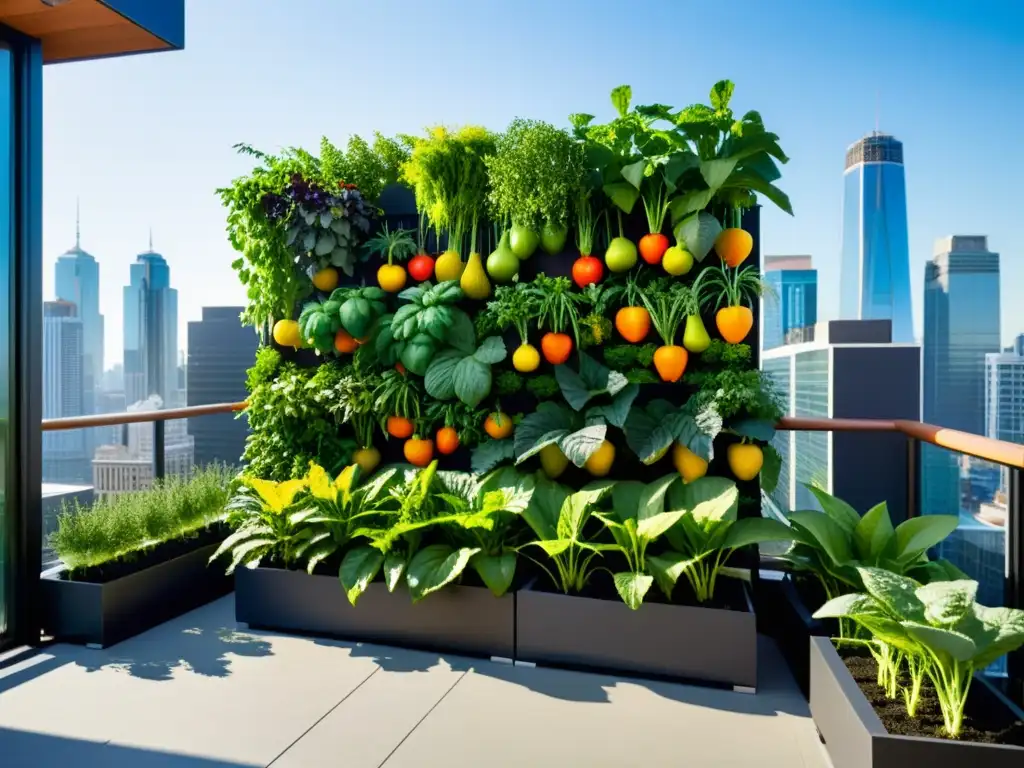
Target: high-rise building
1017	347
795	303
65	453
1004	399
150	330
77	280
220	350
845	369
875	263
961	326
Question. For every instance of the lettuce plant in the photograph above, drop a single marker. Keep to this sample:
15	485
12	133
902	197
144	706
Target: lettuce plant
264	513
938	626
834	543
558	518
706	534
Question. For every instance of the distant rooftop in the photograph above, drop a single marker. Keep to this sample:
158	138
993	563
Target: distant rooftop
781	263
961	244
875	148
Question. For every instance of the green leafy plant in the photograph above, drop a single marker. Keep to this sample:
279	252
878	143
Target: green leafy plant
513	306
508	383
833	545
465	371
267	523
558	305
359	308
652	429
424	325
707	534
370	167
940	626
121	527
623	356
595	325
534	172
543	387
720	287
492	504
397	395
722	355
576	433
398	244
558	519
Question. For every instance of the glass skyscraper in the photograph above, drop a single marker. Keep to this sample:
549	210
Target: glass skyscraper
795	304
875	262
150	331
66	457
78	282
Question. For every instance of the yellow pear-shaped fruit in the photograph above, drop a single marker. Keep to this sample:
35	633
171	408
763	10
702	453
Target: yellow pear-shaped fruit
449	266
695	336
600	462
688	464
745	460
553	461
474	280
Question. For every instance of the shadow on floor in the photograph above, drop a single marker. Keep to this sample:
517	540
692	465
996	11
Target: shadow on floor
156	655
777	693
24	749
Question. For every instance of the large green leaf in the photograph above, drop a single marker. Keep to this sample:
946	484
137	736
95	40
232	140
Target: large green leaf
666	569
1004	633
652	499
626	497
622	194
580	445
576	508
919	534
957	646
622	95
359	567
746	178
897	593
634	172
472	380
770	469
873	533
435	566
496	571
632	587
694	200
698	232
825	533
756	429
593	379
721	94
460	334
546	425
706	499
545	508
489	453
649	438
394	568
657	525
847	606
946	603
837	509
756	530
440	377
716	172
491	351
616	412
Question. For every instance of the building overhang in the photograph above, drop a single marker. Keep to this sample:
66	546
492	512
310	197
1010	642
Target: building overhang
75	30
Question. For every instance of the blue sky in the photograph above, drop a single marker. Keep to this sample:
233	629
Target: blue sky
144	141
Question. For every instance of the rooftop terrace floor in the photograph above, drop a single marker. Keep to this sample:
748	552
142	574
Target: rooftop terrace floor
201	692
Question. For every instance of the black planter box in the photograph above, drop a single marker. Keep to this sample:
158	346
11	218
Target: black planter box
674	641
459	619
855	737
103	614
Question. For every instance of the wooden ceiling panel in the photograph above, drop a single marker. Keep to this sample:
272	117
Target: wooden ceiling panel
78	29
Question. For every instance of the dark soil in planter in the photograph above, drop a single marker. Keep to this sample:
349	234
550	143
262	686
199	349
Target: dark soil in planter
151	556
728	592
986	719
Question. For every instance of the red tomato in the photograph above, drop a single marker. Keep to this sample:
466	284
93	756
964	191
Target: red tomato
587	270
421	267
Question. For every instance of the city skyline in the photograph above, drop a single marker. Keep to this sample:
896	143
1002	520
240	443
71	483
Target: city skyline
821	90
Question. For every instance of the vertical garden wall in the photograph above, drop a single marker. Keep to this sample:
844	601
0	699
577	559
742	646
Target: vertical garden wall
523	361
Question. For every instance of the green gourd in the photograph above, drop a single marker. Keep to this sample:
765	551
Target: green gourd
695	336
503	264
553	237
523	241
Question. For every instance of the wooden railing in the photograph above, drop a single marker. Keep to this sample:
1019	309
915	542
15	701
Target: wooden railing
998	451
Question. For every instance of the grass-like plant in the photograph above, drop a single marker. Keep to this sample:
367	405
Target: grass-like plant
122	527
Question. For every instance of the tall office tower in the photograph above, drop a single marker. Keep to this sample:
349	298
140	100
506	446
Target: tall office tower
1004	399
77	280
875	263
961	326
1017	347
220	351
795	304
150	330
65	453
845	369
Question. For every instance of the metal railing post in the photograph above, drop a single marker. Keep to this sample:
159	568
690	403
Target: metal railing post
159	470
913	477
1015	568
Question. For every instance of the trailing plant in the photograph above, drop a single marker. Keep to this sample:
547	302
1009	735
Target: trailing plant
125	526
558	519
578	434
707	534
290	419
940	626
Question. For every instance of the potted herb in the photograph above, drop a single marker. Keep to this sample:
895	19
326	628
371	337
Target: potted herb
533	173
135	560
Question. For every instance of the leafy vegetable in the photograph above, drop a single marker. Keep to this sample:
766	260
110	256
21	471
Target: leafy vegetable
463	372
651	430
542	387
513	306
358	308
707	534
558	305
938	627
431	311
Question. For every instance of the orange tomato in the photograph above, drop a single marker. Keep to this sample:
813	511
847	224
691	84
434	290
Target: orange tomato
498	425
447	440
556	347
344	343
418	452
734	323
633	323
399	426
653	247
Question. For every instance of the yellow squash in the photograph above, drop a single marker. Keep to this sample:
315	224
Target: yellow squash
600	462
745	460
474	282
449	266
688	464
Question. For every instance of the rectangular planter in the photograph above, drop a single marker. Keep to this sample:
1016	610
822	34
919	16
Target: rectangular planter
855	737
103	614
468	620
676	641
